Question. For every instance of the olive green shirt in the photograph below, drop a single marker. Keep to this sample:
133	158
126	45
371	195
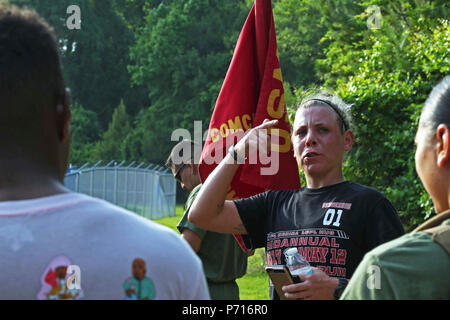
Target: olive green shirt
412	267
222	258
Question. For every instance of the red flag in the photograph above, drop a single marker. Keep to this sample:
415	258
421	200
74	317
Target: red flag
251	92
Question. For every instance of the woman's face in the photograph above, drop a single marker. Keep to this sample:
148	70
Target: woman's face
319	145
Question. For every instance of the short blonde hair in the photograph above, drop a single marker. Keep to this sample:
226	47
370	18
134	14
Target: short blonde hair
326	99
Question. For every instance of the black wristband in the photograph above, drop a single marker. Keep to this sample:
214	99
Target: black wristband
236	157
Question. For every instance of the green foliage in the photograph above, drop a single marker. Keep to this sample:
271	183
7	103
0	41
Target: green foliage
144	142
133	11
388	92
181	55
349	34
345	37
112	144
85	132
299	31
94	58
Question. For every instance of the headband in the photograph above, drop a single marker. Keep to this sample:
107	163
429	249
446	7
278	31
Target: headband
346	126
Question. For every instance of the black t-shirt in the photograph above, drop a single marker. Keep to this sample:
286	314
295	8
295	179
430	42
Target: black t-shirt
332	227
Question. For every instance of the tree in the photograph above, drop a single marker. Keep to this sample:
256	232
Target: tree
181	55
133	11
85	132
299	33
388	97
94	58
112	146
349	34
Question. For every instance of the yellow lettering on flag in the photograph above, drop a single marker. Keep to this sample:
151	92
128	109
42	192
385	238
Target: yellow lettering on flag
236	125
284	147
224	132
277	74
214	134
279	111
247	121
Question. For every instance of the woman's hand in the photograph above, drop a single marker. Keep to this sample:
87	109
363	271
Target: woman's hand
255	139
315	286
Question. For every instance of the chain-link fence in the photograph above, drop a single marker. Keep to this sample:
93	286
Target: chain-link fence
149	191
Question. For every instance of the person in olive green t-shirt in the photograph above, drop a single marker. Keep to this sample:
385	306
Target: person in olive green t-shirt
417	265
222	258
404	268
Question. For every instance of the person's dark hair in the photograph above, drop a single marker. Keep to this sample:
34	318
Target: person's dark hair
30	71
326	99
436	110
186	151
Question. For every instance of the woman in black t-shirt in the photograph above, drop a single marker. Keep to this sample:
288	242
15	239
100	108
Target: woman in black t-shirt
332	222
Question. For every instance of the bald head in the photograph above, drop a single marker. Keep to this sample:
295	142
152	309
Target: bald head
436	110
139	269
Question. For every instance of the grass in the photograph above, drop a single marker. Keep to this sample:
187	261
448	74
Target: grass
172	222
255	284
252	286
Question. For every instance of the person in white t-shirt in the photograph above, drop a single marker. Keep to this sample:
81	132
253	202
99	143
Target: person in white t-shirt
56	244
